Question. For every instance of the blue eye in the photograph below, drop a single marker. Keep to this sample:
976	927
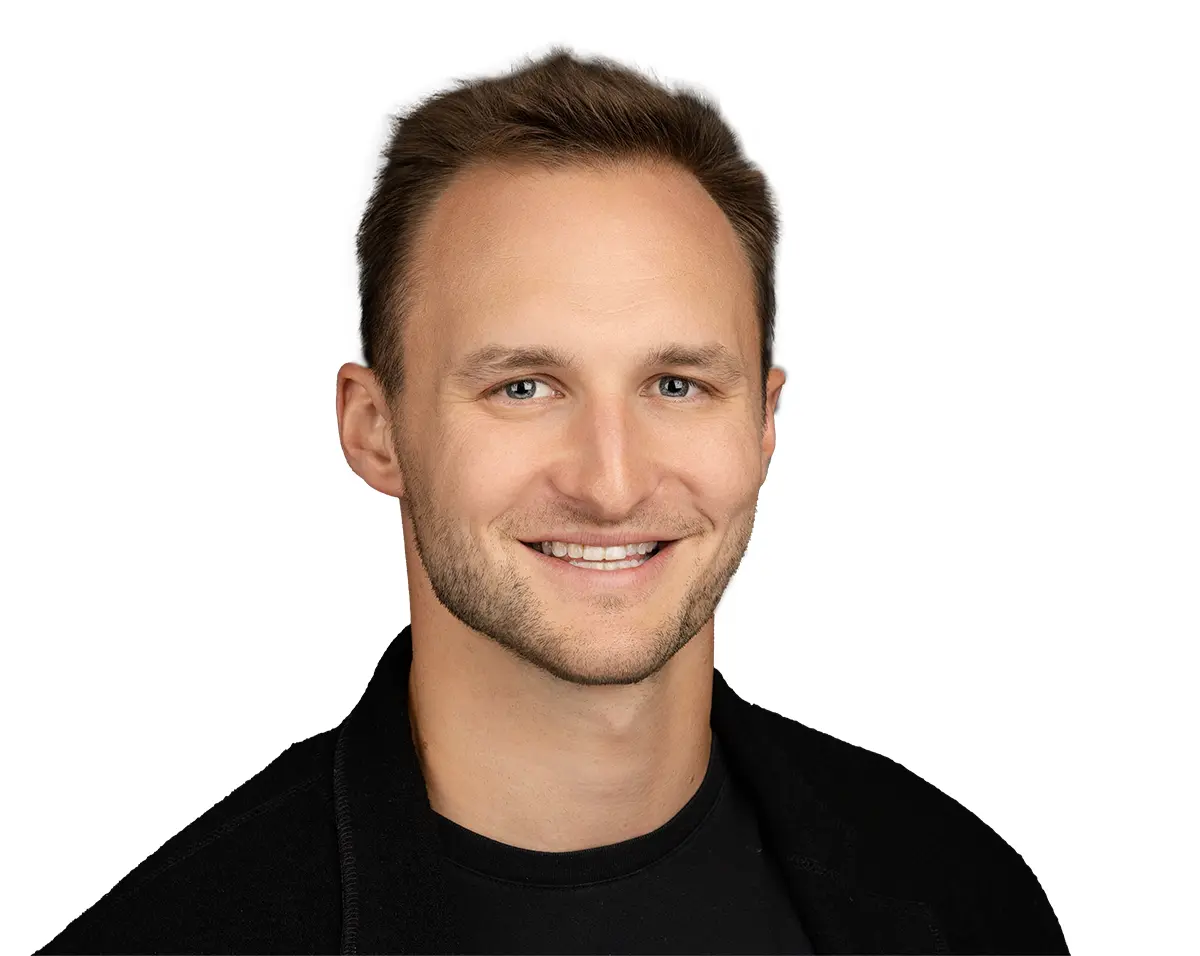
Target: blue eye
517	381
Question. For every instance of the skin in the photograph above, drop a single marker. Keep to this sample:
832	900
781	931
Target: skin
546	717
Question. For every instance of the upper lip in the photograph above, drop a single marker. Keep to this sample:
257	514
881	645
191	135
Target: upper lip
591	539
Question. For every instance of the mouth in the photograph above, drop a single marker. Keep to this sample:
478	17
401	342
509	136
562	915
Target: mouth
659	547
592	576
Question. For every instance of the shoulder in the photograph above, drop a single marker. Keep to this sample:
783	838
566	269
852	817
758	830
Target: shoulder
910	840
259	869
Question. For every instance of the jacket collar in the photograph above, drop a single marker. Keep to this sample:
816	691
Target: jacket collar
394	889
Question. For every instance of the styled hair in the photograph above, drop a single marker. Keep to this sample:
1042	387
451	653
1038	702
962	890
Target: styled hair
559	110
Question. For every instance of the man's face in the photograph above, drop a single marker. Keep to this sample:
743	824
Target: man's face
605	267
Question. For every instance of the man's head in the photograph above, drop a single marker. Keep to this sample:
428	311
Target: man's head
578	209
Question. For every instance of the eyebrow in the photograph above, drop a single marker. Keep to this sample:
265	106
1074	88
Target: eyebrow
494	359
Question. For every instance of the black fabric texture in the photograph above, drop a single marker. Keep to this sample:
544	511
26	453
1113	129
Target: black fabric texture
795	842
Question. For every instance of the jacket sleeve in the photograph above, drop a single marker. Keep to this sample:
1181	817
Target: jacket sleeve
995	904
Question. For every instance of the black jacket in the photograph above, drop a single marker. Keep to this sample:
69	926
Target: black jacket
334	847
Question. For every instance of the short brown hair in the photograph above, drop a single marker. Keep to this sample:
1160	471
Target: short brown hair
556	111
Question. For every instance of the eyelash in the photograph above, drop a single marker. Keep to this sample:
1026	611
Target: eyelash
529	378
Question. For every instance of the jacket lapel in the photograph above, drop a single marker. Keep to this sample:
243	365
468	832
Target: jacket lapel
814	848
394	894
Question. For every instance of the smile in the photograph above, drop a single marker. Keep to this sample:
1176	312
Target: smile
631	560
635	572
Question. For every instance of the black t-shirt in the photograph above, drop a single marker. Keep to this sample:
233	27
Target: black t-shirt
700	883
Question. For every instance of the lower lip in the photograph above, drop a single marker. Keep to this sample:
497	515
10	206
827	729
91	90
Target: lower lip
642	576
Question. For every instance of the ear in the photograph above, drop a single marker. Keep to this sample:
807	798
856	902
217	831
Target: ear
775	379
366	430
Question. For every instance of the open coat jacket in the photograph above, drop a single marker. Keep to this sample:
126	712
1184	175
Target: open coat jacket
333	847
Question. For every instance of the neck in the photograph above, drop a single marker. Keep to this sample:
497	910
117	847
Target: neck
521	757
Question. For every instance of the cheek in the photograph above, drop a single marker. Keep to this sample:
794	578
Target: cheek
731	467
480	479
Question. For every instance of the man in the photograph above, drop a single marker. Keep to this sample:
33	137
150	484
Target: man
568	313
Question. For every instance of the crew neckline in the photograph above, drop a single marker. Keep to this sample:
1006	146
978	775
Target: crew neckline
501	861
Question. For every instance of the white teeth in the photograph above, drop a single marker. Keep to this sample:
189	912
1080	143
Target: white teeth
562	549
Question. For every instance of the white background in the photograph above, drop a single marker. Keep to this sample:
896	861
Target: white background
976	550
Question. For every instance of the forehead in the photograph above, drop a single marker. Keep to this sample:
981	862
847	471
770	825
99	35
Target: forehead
507	244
